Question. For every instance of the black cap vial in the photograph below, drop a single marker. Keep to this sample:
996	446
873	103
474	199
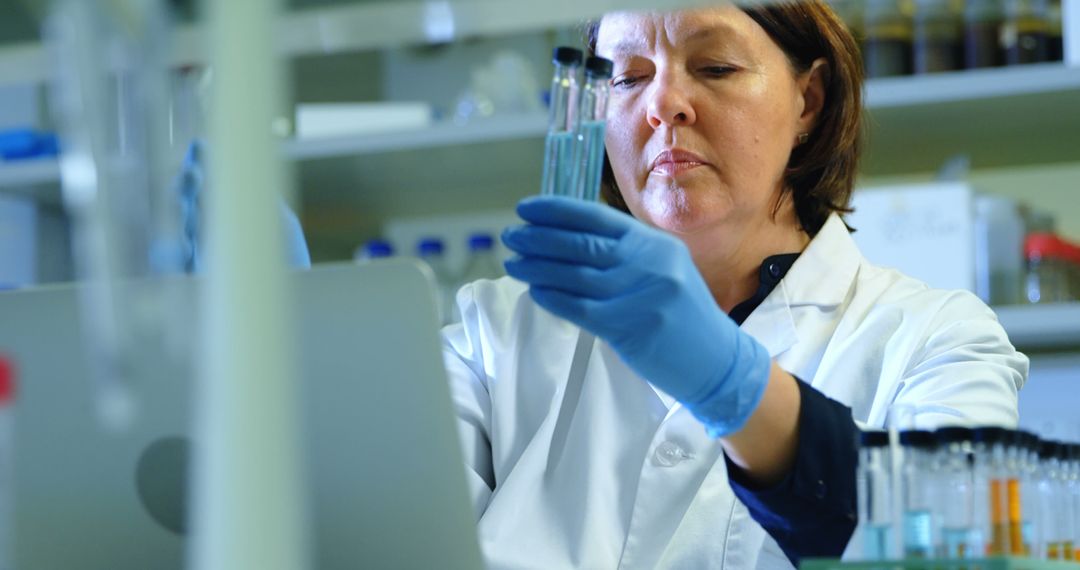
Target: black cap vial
567	56
599	67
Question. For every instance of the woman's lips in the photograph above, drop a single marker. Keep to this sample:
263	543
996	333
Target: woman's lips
674	162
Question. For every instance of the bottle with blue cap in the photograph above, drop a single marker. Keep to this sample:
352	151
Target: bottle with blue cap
482	262
431	250
372	250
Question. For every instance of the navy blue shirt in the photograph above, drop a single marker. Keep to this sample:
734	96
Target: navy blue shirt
811	512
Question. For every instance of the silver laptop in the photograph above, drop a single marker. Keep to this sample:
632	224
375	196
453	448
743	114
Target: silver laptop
385	477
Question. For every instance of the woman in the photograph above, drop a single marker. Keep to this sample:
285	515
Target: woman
680	386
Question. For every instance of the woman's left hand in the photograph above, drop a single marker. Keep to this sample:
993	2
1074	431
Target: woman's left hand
637	288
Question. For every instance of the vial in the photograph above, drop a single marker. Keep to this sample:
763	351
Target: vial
874	494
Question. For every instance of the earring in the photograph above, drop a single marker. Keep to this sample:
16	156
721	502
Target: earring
803	137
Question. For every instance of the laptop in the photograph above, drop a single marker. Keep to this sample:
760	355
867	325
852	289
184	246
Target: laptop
385	478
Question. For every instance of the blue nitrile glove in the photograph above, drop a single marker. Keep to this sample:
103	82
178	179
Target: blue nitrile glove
191	185
637	288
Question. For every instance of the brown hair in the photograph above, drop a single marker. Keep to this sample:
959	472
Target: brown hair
821	172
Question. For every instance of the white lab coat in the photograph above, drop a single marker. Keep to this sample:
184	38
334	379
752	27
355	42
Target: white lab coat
631	480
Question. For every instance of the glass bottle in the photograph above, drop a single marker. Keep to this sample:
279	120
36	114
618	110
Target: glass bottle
983	20
939	37
888	28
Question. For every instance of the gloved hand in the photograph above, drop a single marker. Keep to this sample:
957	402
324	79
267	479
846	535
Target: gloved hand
637	288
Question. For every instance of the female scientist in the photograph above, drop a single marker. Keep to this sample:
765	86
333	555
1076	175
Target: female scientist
733	337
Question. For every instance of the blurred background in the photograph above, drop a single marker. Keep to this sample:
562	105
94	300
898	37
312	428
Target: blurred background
410	123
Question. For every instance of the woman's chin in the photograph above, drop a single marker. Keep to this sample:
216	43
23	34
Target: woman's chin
681	212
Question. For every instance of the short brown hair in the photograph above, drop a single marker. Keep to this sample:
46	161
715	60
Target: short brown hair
820	173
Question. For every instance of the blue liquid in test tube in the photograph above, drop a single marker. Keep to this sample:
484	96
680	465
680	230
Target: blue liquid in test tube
559	147
592	116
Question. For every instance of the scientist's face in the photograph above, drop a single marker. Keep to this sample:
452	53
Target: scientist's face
705	110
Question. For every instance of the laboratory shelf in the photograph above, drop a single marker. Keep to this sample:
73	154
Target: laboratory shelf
372	24
1050	326
493	129
993	563
1004	117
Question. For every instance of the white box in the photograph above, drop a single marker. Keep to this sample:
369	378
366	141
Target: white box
321	120
927	231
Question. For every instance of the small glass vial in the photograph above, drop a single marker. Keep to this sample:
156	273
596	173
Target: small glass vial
1024	31
918	478
1029	490
887	48
1051	525
955	459
874	493
939	37
983	20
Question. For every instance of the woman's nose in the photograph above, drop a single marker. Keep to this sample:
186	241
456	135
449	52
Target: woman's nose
669	103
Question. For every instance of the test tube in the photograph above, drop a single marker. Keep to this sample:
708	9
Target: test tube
1051	524
956	485
1029	491
1014	442
1074	498
917	487
874	494
559	146
1065	491
592	118
992	483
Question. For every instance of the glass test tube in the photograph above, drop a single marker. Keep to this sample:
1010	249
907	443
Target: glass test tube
558	148
1014	472
1029	514
957	494
917	477
1074	500
991	488
874	494
1065	512
592	119
1050	524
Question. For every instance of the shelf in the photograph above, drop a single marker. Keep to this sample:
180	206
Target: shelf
494	129
1014	116
373	24
1042	327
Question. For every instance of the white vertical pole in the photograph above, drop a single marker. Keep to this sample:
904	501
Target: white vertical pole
1070	24
248	511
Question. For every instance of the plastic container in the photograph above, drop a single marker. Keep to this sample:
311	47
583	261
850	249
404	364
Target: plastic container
983	20
887	49
999	250
939	37
1024	31
1053	269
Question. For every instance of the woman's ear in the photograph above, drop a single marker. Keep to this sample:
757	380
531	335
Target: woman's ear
811	85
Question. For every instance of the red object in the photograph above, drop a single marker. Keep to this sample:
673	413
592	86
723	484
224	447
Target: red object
7	381
1050	245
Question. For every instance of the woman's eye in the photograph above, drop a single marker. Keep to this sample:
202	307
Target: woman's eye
717	70
625	81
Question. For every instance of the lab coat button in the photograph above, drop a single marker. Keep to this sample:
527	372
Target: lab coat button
669	454
819	489
774	270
